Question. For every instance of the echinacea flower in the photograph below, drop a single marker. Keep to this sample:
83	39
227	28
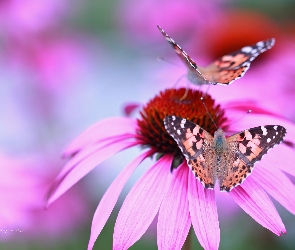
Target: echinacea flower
169	188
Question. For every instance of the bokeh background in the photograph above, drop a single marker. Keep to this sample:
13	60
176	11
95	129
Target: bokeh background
65	65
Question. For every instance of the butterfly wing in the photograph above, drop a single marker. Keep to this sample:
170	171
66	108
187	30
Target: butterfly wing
194	75
193	142
248	147
233	66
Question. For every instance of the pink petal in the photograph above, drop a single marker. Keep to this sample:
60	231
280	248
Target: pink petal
106	128
110	198
76	171
243	106
142	204
277	184
203	211
282	157
130	107
174	218
88	151
255	202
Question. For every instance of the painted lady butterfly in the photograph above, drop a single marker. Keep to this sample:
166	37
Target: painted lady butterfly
224	70
227	160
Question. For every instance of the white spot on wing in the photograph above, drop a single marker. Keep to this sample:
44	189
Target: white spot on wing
260	44
264	130
183	121
247	49
268	140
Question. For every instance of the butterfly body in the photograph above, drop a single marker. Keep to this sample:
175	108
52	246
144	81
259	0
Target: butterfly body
224	70
226	160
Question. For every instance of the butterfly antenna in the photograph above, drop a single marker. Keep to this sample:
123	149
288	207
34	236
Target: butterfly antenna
202	100
248	112
162	59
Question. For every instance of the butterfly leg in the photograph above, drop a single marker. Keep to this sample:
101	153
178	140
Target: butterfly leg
186	88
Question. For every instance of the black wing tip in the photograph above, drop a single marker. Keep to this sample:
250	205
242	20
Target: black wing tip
281	129
270	43
167	118
171	117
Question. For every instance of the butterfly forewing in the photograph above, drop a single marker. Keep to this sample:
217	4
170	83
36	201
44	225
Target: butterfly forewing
224	70
194	143
243	56
233	66
184	57
249	146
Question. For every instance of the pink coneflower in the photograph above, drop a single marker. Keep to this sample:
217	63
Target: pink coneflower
169	188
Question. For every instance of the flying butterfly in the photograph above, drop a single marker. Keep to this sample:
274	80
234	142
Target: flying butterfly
224	70
217	158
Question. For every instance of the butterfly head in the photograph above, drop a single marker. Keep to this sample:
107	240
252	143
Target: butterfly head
219	139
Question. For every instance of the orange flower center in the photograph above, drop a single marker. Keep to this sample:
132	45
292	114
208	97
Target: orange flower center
151	130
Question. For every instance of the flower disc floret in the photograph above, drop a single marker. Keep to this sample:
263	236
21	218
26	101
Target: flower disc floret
151	130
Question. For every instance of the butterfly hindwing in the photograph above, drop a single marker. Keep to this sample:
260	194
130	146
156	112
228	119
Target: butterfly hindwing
193	142
249	147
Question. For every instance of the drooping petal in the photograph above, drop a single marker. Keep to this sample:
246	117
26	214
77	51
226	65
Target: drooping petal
110	127
255	202
142	204
242	106
90	150
131	107
277	184
78	171
174	218
203	211
110	198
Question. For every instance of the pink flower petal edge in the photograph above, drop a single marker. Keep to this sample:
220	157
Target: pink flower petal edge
106	128
242	106
88	151
131	107
78	171
277	184
142	204
281	157
255	202
174	220
110	198
203	211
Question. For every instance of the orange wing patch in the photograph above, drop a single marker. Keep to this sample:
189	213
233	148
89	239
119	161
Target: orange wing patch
236	175
202	171
232	61
223	76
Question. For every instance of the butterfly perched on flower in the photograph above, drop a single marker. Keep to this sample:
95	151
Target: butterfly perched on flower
224	70
217	158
